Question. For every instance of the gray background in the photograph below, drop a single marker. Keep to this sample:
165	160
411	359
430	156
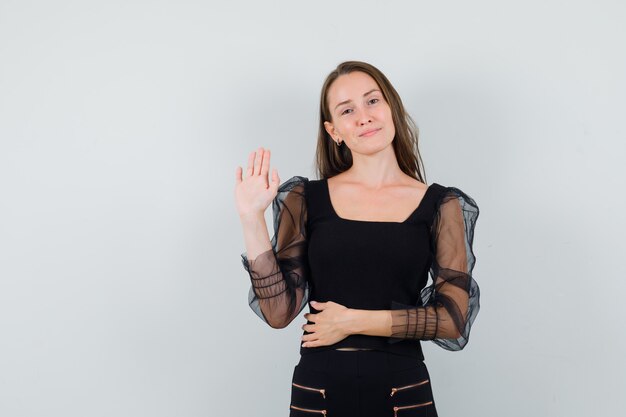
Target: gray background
122	122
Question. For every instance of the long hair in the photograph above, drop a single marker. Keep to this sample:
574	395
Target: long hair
331	159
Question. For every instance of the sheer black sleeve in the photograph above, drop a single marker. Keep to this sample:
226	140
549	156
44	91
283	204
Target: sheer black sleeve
279	277
450	304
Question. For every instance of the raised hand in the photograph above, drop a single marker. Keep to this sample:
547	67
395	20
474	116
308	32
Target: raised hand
254	192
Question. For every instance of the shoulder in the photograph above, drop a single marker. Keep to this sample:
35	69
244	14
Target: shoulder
302	184
297	183
452	195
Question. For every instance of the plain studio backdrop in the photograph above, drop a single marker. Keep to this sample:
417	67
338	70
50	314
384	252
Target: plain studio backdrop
121	123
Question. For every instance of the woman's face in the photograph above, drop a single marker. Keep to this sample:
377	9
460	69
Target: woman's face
361	117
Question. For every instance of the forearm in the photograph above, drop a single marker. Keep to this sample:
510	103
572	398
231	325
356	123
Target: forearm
382	323
369	322
256	236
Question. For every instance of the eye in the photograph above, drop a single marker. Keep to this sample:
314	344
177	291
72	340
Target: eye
346	111
373	101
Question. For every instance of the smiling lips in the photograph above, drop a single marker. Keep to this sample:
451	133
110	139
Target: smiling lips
369	133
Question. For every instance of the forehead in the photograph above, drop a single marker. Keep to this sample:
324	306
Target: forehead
350	86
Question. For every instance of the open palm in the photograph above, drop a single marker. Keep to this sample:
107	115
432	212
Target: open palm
254	192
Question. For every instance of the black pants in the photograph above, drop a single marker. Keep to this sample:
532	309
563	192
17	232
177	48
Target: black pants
362	383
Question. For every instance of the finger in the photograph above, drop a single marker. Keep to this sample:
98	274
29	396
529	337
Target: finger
238	175
257	161
265	165
275	180
265	160
308	338
250	169
310	344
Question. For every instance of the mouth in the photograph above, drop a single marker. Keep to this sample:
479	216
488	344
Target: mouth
369	133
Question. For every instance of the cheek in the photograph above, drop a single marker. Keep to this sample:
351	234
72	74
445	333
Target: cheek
389	115
344	126
384	113
388	118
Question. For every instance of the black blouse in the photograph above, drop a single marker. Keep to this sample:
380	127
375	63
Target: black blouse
371	265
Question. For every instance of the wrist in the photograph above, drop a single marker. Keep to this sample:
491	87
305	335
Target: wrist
252	217
354	322
369	322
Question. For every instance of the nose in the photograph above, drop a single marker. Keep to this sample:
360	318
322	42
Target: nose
364	118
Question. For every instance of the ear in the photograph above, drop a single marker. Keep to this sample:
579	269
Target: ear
330	129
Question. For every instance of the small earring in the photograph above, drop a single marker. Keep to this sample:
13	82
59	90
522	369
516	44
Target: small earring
339	142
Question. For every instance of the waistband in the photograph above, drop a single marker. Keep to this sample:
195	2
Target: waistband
357	362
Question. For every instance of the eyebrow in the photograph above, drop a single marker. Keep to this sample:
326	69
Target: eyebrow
364	95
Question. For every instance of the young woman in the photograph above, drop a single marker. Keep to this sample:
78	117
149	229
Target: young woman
357	245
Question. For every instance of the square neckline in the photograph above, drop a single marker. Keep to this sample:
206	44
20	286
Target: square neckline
413	213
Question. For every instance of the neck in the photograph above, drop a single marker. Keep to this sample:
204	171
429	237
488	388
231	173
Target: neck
375	170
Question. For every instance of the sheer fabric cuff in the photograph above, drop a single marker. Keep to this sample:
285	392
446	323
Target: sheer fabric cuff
410	322
265	275
442	318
